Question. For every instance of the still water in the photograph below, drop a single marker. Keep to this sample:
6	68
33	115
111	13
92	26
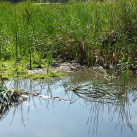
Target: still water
79	117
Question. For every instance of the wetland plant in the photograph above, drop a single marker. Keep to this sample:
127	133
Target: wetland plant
49	60
89	32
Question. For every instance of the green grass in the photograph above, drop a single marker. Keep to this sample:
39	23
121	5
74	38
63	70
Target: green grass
102	33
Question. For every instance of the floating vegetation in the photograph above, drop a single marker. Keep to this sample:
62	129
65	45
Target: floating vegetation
108	91
44	76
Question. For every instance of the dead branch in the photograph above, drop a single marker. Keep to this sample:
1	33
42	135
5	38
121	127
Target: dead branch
46	97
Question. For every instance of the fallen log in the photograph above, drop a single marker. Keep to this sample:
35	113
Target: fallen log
46	97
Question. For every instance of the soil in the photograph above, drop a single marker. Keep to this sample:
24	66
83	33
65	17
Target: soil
58	67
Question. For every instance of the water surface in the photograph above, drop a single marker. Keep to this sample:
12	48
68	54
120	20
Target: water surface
37	117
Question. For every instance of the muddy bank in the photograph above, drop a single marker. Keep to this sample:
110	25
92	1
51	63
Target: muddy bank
72	66
58	67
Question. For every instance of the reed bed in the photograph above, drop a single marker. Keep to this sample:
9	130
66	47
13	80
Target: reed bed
103	33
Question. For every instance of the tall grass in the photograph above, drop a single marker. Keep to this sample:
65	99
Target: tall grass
92	32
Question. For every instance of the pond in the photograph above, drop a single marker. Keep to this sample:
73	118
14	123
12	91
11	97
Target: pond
76	116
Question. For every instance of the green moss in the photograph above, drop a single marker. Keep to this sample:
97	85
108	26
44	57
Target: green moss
8	70
44	76
35	76
54	74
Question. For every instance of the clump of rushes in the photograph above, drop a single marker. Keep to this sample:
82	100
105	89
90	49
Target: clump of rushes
90	32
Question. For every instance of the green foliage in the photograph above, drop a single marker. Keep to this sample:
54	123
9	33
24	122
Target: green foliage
4	96
36	76
44	76
54	74
91	32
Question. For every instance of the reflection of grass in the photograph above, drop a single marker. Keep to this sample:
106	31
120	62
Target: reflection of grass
119	108
119	112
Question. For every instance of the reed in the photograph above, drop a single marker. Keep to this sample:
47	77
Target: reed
90	32
49	56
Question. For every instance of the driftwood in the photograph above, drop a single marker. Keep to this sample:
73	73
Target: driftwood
45	97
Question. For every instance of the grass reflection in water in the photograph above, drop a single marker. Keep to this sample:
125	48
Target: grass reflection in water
117	110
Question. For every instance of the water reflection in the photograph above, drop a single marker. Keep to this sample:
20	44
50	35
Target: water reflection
95	114
119	111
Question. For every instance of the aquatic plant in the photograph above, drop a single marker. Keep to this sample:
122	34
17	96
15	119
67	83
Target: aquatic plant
6	97
3	94
49	57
